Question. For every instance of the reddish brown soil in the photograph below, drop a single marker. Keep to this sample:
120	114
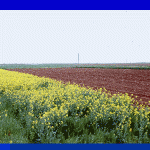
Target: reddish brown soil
117	64
136	82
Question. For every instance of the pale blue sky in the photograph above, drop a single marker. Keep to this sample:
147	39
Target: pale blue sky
57	36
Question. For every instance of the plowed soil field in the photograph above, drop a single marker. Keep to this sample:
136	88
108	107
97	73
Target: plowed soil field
131	81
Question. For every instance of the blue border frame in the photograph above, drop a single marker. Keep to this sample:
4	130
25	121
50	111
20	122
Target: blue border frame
77	146
4	146
72	146
74	5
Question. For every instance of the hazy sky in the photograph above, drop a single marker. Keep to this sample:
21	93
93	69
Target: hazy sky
57	36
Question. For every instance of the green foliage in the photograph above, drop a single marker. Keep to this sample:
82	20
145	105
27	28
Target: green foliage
13	66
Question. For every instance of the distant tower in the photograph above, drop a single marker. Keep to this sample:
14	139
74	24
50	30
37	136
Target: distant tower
78	58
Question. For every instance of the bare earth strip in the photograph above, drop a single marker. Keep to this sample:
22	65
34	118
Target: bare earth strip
136	82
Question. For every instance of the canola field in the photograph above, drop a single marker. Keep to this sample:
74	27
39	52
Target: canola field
41	110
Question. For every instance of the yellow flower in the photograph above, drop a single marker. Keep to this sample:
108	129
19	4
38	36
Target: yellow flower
33	127
5	115
10	141
30	114
130	129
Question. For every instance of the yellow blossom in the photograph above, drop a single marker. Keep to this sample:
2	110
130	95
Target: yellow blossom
10	141
130	129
